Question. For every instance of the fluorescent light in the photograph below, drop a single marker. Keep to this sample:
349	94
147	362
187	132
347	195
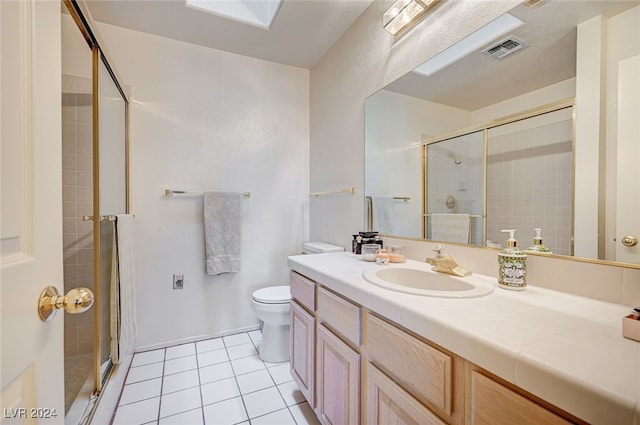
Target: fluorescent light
259	13
404	13
470	43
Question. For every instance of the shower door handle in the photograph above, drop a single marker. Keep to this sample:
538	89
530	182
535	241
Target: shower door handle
77	300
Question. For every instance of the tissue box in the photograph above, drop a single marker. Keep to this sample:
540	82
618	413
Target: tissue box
631	327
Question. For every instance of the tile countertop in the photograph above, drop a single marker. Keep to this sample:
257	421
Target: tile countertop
566	349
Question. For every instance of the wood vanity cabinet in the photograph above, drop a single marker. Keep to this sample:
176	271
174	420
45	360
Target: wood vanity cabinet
356	367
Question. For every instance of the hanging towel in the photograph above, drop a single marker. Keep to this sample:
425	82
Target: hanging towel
222	229
450	227
382	213
123	317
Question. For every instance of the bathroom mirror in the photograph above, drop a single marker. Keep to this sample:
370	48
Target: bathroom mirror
543	62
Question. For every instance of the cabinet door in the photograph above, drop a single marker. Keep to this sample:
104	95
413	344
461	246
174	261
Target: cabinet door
387	403
302	353
337	380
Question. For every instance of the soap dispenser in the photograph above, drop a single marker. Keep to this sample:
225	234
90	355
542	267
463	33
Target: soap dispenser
538	246
512	263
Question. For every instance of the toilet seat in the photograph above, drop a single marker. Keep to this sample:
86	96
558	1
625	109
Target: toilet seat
273	295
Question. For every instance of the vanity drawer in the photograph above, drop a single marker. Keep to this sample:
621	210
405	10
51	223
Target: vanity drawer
422	370
340	315
303	290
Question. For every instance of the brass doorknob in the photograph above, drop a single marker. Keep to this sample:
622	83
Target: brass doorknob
76	301
629	241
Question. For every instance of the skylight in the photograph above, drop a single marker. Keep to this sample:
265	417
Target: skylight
259	13
470	43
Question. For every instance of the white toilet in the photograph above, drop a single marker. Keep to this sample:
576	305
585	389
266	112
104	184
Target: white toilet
271	305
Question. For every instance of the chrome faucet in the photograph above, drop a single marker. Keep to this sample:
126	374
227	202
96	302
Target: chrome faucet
444	263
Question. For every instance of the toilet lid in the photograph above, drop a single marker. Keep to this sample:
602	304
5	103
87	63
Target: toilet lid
273	294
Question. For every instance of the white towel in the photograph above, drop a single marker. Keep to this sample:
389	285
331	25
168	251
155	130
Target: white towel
382	214
450	227
123	316
222	229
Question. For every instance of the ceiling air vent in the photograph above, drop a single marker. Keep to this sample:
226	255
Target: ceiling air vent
504	47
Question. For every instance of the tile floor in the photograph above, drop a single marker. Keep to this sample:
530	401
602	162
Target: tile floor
213	382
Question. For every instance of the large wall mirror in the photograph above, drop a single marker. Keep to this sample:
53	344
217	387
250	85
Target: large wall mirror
529	122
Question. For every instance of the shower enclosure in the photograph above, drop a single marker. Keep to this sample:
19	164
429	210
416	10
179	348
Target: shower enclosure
95	189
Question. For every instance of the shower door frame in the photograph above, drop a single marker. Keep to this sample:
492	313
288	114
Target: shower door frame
81	16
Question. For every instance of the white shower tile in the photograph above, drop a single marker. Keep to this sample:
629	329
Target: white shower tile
181	351
262	402
242	350
180	381
219	390
180	364
215	372
140	391
209	345
226	412
212	357
148	357
237	339
179	402
254	381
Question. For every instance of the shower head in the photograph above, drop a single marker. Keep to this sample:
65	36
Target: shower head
456	159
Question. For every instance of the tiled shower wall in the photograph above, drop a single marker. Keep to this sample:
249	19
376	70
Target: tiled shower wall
77	192
529	181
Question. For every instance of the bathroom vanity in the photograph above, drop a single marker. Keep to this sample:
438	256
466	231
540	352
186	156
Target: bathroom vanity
363	354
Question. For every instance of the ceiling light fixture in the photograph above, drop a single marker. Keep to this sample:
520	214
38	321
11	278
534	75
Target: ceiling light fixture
405	13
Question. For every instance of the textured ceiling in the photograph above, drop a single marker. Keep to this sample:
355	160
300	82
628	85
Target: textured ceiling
302	32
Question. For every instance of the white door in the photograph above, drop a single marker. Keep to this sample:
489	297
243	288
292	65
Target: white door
628	197
31	351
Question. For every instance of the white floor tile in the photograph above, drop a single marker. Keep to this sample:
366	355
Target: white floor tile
209	345
148	357
262	402
141	391
180	364
303	414
242	350
137	413
237	339
225	412
254	381
215	372
180	381
179	402
256	336
281	373
142	373
224	389
247	364
192	417
291	393
212	357
180	351
281	417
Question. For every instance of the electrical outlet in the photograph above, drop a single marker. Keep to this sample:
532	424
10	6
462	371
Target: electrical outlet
178	281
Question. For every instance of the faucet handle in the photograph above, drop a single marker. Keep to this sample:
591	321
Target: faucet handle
438	249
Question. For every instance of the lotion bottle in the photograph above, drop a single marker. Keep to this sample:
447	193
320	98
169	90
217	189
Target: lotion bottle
512	264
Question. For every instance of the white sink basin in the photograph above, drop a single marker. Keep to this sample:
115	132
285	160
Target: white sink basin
429	283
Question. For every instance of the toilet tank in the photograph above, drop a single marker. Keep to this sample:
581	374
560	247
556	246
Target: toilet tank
320	247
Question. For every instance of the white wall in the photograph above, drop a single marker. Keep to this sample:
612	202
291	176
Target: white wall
362	61
203	119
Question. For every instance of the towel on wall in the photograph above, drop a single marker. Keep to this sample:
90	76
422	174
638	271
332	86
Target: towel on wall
123	316
222	228
382	214
450	227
